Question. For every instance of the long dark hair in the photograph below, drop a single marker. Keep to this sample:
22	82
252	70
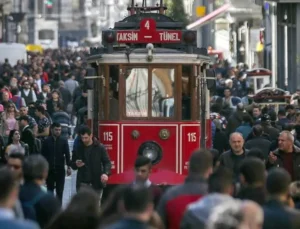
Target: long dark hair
10	136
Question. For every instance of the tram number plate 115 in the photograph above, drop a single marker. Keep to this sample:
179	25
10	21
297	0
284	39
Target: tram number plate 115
108	136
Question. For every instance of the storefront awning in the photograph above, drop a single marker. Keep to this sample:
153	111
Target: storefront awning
209	17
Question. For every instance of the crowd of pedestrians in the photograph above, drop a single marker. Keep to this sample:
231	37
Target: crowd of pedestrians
250	179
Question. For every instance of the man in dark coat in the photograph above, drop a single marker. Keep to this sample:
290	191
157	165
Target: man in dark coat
277	211
91	160
268	128
235	120
252	178
286	156
259	141
56	150
27	134
232	158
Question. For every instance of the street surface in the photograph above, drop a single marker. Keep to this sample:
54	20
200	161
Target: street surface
70	182
70	188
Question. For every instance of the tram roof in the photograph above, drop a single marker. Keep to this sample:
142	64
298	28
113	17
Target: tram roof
160	56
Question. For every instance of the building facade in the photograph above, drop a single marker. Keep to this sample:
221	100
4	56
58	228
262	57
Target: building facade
282	41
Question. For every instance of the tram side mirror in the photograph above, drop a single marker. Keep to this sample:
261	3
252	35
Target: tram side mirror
211	81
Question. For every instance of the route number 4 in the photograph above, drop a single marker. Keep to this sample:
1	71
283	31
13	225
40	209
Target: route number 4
192	137
108	136
147	25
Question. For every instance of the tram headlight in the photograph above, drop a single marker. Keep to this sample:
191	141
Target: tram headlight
151	150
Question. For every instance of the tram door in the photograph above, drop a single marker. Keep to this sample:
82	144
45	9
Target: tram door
94	85
188	94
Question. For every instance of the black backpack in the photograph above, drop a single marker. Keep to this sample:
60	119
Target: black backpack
28	206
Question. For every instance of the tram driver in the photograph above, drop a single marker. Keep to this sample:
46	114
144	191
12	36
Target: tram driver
113	105
186	93
186	99
163	88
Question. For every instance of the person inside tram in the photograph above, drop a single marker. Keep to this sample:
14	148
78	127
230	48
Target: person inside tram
136	92
114	93
113	104
163	85
186	95
186	99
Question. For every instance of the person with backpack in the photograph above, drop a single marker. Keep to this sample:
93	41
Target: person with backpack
37	205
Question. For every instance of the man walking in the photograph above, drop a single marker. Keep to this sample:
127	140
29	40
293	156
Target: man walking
8	198
92	161
27	134
56	151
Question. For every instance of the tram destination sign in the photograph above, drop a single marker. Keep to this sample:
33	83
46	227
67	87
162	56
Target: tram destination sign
148	34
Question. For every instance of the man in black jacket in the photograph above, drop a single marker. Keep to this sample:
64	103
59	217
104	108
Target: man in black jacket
92	161
259	141
252	178
278	211
233	158
56	150
286	156
27	134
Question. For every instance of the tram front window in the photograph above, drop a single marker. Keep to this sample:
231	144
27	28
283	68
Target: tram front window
163	92
136	92
161	89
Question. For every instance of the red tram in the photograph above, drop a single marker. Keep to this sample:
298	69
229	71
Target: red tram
150	95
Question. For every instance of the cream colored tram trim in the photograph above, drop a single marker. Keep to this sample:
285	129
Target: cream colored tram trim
141	58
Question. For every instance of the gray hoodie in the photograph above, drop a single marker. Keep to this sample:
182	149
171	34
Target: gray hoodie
197	213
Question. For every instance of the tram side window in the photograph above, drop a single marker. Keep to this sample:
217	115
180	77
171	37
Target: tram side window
113	93
186	92
136	86
163	101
